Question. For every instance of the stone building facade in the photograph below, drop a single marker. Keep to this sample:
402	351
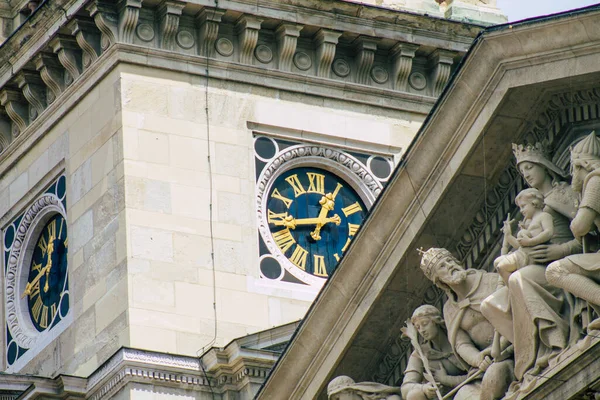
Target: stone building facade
133	171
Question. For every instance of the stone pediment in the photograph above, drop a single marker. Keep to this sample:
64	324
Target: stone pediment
452	189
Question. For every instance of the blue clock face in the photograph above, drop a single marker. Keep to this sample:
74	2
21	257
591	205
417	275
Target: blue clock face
313	216
47	279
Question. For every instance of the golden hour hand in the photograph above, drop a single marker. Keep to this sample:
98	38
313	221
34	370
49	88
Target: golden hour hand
327	203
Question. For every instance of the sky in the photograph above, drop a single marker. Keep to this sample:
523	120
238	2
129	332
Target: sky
521	9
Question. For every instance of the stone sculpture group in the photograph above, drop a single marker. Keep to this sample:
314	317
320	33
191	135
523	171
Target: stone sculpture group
499	331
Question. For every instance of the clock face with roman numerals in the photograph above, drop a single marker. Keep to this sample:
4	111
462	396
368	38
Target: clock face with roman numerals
47	278
313	216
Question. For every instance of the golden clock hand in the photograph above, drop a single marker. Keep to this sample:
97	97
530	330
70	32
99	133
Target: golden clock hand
327	204
29	285
49	263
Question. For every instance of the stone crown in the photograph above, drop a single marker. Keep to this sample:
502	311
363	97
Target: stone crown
431	257
588	148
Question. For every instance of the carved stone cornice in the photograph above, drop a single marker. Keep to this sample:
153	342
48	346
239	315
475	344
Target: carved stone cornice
34	91
87	36
129	12
51	73
247	28
325	43
402	56
69	55
208	21
169	13
106	19
365	55
287	38
442	61
16	108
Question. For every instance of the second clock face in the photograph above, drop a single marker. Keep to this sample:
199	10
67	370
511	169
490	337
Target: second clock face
313	216
48	274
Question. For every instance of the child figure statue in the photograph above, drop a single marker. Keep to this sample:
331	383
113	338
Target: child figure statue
536	228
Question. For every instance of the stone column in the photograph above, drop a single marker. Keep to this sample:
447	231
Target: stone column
247	28
402	55
208	21
442	61
287	38
365	55
326	42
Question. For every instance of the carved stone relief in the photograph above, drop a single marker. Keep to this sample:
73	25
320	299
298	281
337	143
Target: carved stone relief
568	278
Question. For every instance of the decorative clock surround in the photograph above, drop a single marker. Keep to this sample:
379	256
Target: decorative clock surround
36	273
311	199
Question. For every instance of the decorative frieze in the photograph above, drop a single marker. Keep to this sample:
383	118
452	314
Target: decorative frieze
402	55
365	55
81	40
325	43
169	14
247	28
88	38
442	61
34	91
287	38
16	108
69	55
51	73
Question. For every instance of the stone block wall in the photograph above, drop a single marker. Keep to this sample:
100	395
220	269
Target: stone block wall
168	197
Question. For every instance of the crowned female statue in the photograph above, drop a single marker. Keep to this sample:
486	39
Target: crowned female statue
529	312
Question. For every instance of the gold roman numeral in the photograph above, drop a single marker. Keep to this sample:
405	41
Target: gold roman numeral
278	196
44	318
337	190
37	307
284	239
337	258
351	209
316	183
320	269
35	290
295	184
37	267
352	228
275	217
346	245
43	245
52	311
299	257
52	229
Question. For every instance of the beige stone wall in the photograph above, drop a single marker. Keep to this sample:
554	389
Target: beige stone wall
167	195
86	143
